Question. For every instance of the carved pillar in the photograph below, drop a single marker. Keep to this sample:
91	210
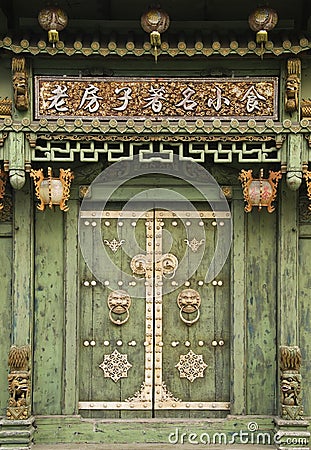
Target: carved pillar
291	428
17	430
292	107
19	406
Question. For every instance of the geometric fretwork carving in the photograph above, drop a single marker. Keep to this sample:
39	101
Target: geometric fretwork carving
191	366
115	366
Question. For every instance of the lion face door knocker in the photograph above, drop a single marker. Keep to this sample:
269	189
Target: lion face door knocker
189	302
119	303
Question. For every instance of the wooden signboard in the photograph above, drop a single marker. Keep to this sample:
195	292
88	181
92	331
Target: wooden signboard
158	98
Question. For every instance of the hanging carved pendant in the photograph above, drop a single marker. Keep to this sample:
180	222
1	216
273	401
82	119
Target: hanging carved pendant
194	244
114	245
191	366
115	366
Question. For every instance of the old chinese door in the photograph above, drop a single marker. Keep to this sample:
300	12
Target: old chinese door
154	335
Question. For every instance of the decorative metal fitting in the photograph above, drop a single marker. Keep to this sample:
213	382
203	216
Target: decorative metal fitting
138	265
52	191
155	21
262	20
194	244
191	366
259	191
53	19
114	245
189	302
119	303
169	264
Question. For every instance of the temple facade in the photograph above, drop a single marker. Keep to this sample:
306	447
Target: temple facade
155	223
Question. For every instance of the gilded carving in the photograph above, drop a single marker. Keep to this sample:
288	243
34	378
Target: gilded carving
6	213
259	191
20	83
5	107
112	98
290	384
19	403
307	177
3	179
292	86
52	191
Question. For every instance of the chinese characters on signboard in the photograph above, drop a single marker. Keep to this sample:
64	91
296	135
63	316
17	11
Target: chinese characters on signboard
209	98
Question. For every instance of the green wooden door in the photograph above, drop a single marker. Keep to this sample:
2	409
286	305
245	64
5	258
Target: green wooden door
154	335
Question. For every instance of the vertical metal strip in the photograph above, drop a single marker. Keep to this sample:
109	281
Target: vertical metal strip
149	222
158	309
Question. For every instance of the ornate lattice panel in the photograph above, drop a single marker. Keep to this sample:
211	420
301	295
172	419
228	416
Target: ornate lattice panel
218	149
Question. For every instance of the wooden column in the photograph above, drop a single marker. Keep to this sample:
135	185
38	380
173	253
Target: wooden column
71	297
238	309
22	280
287	267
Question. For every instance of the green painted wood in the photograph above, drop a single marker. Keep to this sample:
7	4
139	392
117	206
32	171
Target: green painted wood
287	266
71	298
49	313
261	282
66	429
22	289
6	249
238	307
95	318
304	316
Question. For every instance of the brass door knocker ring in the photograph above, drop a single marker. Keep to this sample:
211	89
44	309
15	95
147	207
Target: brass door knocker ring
189	302
138	265
119	303
118	321
186	321
169	264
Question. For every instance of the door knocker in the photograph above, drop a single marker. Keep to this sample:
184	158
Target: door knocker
169	264
138	266
119	303
189	302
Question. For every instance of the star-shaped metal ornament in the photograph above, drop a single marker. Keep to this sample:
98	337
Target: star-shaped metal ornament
115	366
191	366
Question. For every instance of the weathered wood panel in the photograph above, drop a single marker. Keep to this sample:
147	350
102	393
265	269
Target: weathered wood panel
261	296
5	309
22	294
71	300
49	313
304	318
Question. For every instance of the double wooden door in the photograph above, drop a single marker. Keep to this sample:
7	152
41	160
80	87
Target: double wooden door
154	334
